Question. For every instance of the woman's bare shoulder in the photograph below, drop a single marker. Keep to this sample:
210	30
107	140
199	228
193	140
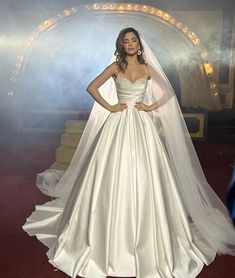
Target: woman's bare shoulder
115	69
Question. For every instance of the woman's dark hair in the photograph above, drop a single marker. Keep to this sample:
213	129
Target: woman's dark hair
120	52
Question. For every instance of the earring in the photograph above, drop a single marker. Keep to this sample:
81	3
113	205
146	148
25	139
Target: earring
139	52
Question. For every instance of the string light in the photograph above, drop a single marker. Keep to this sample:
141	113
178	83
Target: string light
144	8
11	94
137	7
204	54
119	7
179	24
212	85
196	41
166	16
208	68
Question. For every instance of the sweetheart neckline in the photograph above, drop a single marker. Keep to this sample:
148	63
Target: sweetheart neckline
118	76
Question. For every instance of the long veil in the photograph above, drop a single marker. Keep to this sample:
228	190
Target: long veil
204	209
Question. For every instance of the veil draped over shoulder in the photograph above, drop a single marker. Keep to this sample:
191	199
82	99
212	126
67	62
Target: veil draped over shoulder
203	207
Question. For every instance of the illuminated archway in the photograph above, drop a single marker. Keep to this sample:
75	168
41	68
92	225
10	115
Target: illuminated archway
120	8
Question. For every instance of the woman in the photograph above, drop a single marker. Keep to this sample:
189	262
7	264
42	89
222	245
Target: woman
134	200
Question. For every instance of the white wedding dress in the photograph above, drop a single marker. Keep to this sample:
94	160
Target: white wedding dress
125	215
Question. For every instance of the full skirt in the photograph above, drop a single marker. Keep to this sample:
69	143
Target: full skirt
125	215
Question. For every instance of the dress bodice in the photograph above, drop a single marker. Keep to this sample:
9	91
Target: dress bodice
130	92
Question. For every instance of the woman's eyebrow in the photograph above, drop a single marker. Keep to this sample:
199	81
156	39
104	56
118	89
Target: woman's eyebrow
130	39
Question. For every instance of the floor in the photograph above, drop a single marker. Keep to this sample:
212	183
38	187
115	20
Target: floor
23	157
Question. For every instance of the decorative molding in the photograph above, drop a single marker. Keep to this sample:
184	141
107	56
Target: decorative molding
201	128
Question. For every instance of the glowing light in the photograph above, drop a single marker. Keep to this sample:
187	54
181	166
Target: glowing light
204	54
11	94
120	7
18	65
48	23
28	41
185	29
144	8
67	12
159	12
191	35
196	41
137	7
179	24
208	68
166	16
212	85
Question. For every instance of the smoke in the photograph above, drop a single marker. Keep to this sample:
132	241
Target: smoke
64	59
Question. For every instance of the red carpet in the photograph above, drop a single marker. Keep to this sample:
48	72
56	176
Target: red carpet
23	256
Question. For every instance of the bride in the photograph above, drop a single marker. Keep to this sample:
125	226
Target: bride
134	200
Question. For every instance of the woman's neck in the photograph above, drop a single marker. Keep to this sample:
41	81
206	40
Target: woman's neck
132	60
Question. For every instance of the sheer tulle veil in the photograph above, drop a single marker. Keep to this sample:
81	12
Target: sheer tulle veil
204	209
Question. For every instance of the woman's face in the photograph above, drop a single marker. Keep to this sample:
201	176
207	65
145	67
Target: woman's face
130	43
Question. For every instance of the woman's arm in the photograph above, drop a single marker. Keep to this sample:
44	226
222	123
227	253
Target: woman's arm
92	88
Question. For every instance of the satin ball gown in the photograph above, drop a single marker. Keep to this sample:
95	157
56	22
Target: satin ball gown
125	216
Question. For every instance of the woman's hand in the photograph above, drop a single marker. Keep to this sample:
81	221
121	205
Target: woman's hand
118	107
144	107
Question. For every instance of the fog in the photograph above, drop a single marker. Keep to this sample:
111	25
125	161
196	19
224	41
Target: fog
62	61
